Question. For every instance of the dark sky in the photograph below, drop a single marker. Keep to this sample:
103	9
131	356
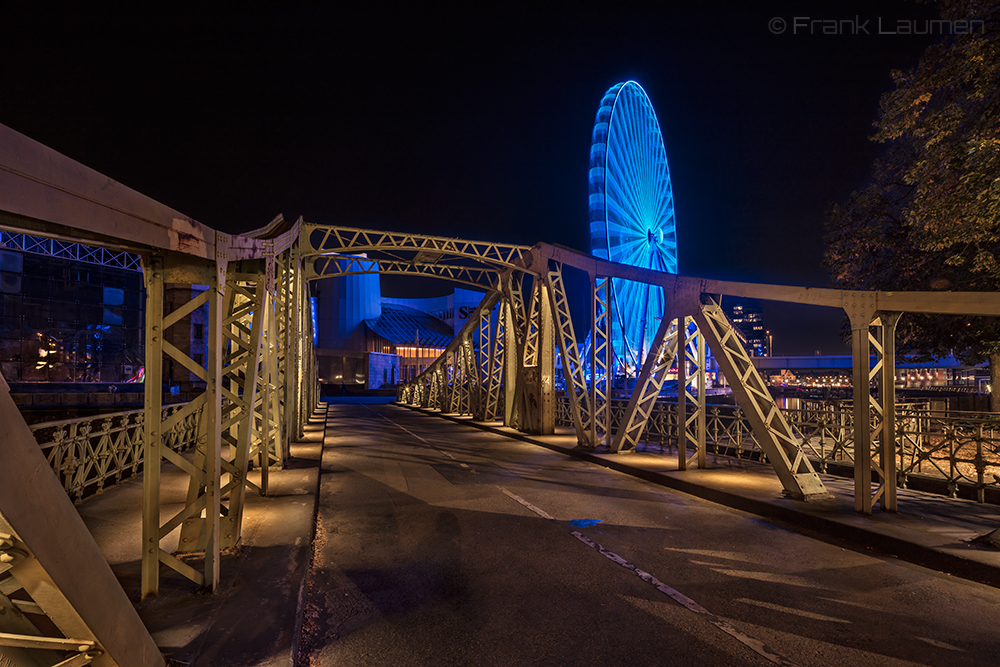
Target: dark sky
472	123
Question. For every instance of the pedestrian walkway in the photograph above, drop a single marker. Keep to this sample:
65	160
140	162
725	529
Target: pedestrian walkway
929	530
253	617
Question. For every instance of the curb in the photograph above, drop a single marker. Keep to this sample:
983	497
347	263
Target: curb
293	658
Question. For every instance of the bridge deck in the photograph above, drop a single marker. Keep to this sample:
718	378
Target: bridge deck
416	519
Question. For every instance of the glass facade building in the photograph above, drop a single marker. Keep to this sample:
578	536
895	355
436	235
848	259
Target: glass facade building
63	320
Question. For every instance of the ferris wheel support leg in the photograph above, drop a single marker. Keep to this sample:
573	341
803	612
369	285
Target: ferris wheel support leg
573	372
773	433
647	388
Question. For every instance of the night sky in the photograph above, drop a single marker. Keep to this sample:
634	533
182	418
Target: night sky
474	123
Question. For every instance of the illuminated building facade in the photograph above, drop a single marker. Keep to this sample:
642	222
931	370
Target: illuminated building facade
747	316
367	341
67	315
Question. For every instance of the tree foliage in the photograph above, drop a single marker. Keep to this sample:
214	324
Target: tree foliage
930	217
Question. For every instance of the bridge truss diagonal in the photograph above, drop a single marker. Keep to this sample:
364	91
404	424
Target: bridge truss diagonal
260	380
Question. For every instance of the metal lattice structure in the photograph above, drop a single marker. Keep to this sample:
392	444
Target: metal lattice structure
260	380
631	214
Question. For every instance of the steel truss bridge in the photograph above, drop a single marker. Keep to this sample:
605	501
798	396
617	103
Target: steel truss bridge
261	383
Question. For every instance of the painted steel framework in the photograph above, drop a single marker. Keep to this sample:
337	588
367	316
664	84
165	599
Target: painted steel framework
260	381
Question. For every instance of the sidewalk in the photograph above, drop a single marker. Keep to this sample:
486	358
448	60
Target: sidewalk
253	618
929	530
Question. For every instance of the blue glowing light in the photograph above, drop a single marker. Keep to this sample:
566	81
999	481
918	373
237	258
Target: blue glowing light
631	213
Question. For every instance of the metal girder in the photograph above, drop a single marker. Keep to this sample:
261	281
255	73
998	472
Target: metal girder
328	267
481	357
873	333
647	387
527	402
600	362
690	424
470	378
428	250
246	298
515	330
269	448
535	409
573	370
774	435
50	565
531	324
495	368
206	471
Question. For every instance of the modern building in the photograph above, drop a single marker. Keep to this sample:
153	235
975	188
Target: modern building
69	313
747	316
365	340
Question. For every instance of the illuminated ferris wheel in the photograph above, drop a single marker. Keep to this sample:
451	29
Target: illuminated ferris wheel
631	214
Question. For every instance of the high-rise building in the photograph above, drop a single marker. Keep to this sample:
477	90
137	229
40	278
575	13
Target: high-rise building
747	316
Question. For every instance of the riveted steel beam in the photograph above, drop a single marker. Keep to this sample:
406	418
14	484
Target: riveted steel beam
51	566
573	370
647	387
773	433
691	392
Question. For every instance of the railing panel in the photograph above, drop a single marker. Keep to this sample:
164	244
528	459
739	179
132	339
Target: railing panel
954	447
91	453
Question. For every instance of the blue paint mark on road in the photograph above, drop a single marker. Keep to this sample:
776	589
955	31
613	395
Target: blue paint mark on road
584	523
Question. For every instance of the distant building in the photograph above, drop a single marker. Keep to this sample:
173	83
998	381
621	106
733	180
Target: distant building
365	340
69	313
747	316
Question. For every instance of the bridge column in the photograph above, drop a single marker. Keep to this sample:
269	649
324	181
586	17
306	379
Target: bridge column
873	333
546	356
690	428
205	471
498	355
601	361
887	437
516	333
573	370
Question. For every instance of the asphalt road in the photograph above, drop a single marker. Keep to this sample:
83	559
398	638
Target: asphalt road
439	544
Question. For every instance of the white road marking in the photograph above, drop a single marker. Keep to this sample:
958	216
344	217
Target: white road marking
755	645
537	510
791	610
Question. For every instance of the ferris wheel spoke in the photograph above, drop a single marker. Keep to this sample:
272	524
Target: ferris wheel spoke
624	194
631	214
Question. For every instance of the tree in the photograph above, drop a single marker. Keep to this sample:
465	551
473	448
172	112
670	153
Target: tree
930	217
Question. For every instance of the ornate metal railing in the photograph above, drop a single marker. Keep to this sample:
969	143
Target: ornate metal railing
958	448
91	453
